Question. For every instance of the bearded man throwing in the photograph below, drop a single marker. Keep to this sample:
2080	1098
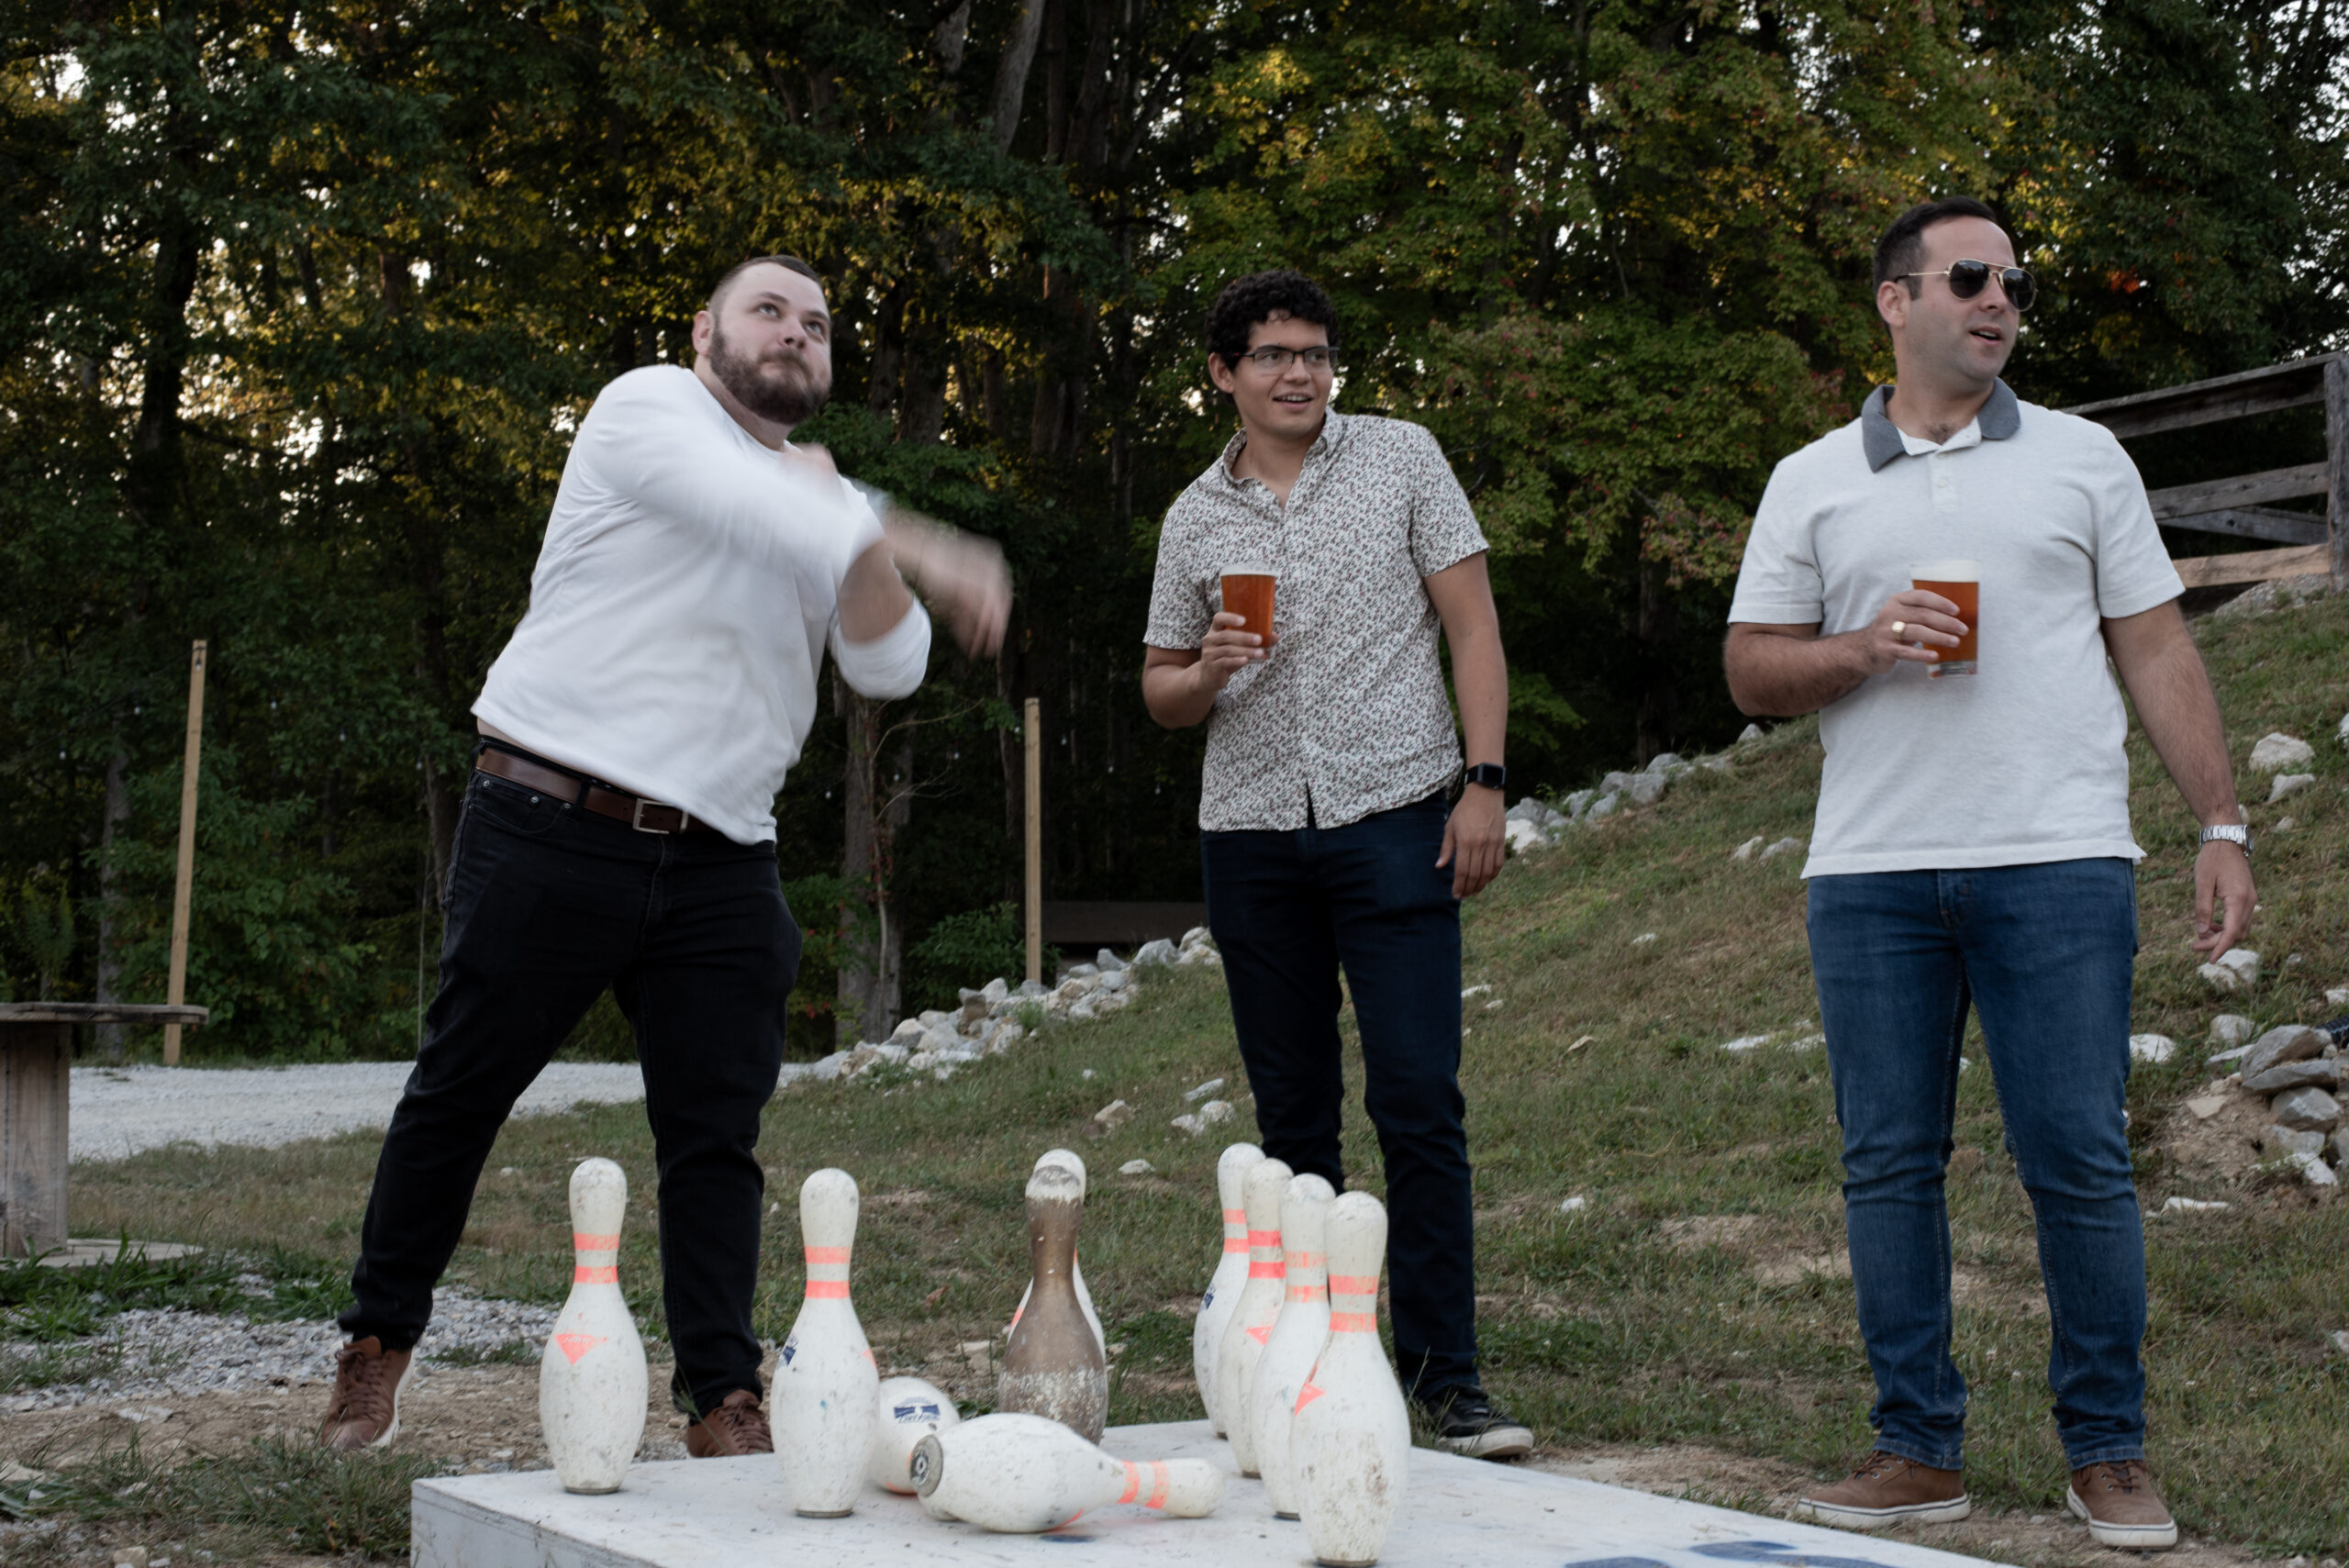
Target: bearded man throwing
618	829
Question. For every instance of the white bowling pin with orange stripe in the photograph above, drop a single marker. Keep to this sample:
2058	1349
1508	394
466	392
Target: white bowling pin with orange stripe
1298	1334
1230	1273
1073	1162
825	1386
591	1376
1258	1308
1349	1445
1024	1474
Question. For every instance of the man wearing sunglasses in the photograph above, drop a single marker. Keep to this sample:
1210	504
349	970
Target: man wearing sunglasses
1327	842
1973	848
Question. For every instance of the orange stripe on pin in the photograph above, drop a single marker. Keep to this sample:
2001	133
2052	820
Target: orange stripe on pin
1263	1238
1267	1271
1353	1322
1355	1284
1157	1498
1234	1244
827	1254
827	1290
1235	1217
1306	1395
607	1275
586	1243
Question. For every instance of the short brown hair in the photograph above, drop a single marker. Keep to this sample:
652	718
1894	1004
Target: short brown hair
789	264
1903	244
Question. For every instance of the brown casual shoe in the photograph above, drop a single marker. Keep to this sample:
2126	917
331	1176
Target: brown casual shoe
1886	1490
365	1411
736	1427
2122	1505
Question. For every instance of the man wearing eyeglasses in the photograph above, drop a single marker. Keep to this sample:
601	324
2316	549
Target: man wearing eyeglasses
1972	848
1326	838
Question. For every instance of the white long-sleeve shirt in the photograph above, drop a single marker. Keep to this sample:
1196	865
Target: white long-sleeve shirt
688	583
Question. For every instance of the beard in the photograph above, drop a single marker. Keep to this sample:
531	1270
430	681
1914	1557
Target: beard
783	386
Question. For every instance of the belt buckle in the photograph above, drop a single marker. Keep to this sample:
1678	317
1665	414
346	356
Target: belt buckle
636	818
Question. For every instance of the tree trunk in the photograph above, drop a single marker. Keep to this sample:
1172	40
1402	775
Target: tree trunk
1011	70
1659	714
873	939
109	1036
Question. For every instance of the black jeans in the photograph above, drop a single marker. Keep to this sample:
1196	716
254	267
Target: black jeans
1288	911
546	905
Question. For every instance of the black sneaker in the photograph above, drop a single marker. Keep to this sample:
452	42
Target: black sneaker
1468	1422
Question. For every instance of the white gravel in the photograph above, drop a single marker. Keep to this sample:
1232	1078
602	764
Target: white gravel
162	1354
117	1111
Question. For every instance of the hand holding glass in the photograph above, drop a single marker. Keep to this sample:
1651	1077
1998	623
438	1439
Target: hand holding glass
1959	582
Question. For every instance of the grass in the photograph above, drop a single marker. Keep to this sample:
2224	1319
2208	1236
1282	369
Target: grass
1598	1074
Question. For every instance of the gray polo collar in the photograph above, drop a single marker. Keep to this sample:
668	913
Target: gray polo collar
1880	437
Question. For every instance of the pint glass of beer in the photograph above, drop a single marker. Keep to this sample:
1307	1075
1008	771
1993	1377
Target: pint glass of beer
1959	582
1247	593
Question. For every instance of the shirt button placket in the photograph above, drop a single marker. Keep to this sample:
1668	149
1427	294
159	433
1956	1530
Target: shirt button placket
1944	483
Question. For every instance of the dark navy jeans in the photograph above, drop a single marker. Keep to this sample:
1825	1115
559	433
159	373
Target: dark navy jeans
546	905
1289	910
2043	953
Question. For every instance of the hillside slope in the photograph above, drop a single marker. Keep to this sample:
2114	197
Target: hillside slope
1699	1294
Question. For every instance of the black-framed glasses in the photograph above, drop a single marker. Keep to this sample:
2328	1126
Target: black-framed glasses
1274	359
1967	279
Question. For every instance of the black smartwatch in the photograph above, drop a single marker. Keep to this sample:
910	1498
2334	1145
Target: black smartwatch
1492	775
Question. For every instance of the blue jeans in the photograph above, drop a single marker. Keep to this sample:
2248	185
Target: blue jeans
548	905
2044	954
1288	911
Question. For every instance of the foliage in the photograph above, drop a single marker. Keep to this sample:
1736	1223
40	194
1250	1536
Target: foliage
967	949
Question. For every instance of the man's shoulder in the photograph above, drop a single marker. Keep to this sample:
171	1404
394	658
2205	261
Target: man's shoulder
1381	434
670	386
2053	429
1840	453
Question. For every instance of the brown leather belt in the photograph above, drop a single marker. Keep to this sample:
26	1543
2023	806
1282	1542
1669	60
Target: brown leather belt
644	815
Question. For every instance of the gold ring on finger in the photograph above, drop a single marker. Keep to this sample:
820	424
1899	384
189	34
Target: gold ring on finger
1899	626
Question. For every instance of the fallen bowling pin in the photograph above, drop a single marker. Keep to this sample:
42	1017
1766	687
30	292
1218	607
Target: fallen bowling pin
592	1383
1024	1474
1230	1273
1068	1159
907	1410
1349	1445
826	1386
1053	1366
1298	1334
1258	1307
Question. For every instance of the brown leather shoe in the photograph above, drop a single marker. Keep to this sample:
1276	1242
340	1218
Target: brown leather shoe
2122	1505
736	1427
1887	1490
365	1411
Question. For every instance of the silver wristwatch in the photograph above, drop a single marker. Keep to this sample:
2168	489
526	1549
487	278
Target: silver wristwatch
2232	834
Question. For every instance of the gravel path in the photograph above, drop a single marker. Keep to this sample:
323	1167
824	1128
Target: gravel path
151	1355
117	1111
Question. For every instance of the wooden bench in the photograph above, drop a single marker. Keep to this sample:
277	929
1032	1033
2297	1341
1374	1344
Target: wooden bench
35	1083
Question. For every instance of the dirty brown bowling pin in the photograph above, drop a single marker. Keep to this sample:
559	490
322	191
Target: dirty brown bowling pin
1053	1367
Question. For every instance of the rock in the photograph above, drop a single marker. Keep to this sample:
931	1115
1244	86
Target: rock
1522	837
2305	1109
1747	1042
2341	1144
975	1009
1076	986
2337	997
1715	764
1615	782
1748	735
1643	938
2291	1042
1005	1038
1080	972
1137	1168
1113	1115
1108	1000
2314	1171
1527	810
1648	788
1115	980
1603	807
1188	1126
1158	949
1782	847
1195	936
2154	1048
1191	1097
940	1040
1579	802
2232	1029
2190	1205
2277	752
1083	1011
909	1029
2292	1075
1034	989
2340	1337
2287	785
2292	1141
995	990
2205	1106
1215	1111
1573	1205
1748	850
1108	963
2237	968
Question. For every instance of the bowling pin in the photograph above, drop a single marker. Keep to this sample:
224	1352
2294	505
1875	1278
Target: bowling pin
1259	1305
1073	1162
1230	1273
1350	1444
906	1411
1022	1475
591	1376
826	1386
1297	1339
1053	1366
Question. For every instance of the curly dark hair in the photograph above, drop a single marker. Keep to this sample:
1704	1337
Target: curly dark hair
1903	244
1246	302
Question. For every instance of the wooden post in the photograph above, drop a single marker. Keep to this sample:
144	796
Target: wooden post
2337	453
1035	844
36	1065
184	885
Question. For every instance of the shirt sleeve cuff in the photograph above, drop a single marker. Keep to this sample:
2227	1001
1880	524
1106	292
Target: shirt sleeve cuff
892	664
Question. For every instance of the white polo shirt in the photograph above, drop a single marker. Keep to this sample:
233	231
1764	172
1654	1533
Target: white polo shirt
2021	763
688	584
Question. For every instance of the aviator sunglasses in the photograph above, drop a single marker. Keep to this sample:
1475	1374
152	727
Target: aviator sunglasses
1967	279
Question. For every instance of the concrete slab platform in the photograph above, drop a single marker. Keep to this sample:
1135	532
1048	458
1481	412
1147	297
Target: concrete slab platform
691	1513
83	1251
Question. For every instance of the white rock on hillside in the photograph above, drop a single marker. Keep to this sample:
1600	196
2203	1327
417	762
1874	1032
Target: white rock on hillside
2287	785
1783	845
1157	951
1137	1168
2231	1030
2154	1048
1193	1096
1748	850
1753	732
2237	968
1523	838
2277	752
1647	789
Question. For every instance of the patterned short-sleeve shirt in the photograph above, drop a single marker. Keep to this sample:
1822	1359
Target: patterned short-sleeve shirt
1350	713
